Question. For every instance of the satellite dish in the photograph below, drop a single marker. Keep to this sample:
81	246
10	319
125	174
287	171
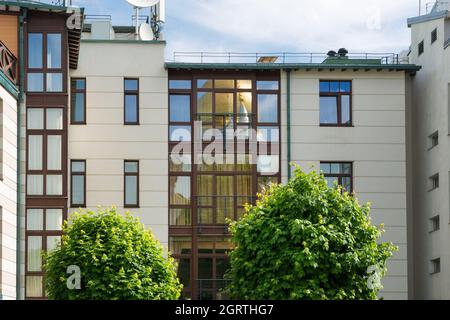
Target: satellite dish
143	3
145	31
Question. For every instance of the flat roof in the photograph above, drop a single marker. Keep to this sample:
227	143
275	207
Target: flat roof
292	66
428	17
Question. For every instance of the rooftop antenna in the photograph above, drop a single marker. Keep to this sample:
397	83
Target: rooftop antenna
138	5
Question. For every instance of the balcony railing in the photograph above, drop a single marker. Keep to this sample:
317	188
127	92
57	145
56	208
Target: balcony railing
8	63
285	58
212	289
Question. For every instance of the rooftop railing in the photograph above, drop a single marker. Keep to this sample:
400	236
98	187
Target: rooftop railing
285	58
61	3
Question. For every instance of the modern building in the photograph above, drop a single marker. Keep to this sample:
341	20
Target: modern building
106	120
429	151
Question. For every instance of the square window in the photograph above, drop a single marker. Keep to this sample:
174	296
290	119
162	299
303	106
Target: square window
180	133
35	185
35	119
204	84
54	82
268	85
35	82
35	219
131	85
55	119
54	185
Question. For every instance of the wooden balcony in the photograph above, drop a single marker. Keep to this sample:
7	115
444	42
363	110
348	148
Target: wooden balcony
8	63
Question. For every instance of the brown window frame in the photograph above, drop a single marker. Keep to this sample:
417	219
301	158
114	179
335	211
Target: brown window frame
131	174
338	95
83	174
74	91
340	176
131	93
45	69
44	234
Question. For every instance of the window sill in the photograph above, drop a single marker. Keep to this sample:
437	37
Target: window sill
78	123
336	126
132	207
74	206
132	124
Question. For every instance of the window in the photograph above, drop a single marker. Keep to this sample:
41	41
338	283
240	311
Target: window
435	224
180	84
434	36
44	151
434	140
434	181
131	182
267	108
131	113
435	266
340	172
180	108
78	183
78	105
43	234
421	47
335	103
45	62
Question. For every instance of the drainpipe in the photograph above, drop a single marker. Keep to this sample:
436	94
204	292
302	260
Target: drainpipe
289	133
19	129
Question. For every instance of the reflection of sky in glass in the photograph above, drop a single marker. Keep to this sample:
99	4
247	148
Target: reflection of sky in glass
180	133
180	108
183	187
345	106
54	51
328	110
35	50
268	108
130	108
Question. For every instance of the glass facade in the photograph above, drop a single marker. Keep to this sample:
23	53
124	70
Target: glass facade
224	144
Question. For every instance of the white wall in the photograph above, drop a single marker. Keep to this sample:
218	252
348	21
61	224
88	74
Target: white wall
105	142
376	146
8	194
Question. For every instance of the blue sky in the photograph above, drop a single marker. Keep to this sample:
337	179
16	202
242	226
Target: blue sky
276	25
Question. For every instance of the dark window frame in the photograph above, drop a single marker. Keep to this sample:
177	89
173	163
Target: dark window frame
74	92
421	47
434	182
435	224
131	174
340	176
338	95
434	36
434	139
436	265
84	175
131	93
45	70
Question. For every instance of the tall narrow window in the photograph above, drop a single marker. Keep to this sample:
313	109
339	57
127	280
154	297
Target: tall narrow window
340	172
421	47
131	112
78	106
434	36
131	182
78	183
335	103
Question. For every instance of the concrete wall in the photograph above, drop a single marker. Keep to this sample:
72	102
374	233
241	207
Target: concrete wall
376	146
105	142
430	89
8	194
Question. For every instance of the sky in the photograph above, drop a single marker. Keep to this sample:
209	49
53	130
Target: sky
375	26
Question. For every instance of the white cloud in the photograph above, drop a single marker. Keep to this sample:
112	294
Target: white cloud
319	25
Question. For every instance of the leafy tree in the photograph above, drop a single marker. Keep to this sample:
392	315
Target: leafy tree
118	259
305	240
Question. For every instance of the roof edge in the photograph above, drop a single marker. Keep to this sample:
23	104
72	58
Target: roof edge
8	85
428	17
288	66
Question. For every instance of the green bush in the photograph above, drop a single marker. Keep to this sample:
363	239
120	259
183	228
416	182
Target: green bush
118	258
305	240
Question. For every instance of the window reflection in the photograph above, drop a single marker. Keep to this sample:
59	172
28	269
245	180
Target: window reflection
268	108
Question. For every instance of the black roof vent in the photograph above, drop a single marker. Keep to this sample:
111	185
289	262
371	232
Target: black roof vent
342	52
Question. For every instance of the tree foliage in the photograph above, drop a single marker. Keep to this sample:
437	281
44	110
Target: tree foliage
118	258
305	240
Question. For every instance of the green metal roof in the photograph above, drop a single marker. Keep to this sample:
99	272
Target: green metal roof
293	66
8	85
